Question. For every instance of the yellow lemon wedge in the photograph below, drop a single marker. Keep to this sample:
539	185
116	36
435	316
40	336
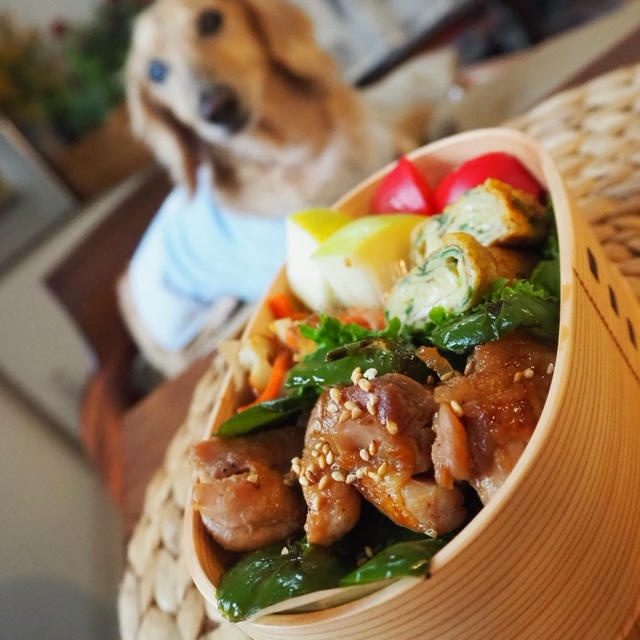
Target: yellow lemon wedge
305	232
362	260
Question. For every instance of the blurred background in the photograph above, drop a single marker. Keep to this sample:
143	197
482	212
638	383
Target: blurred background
76	193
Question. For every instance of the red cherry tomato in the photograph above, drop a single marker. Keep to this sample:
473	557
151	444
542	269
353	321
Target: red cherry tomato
403	189
502	166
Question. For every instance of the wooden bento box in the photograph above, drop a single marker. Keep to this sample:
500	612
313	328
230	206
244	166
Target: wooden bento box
557	553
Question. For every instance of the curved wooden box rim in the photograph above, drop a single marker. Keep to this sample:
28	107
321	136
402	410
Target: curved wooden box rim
439	157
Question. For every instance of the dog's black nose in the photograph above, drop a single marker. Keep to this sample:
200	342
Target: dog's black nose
220	104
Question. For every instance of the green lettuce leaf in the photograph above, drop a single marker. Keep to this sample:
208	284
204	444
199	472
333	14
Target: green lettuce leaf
331	333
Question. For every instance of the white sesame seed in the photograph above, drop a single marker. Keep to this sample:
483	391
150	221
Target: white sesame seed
338	476
446	376
303	481
518	376
317	445
284	552
315	453
344	416
356	413
329	457
430	379
550	368
364	384
253	478
371	407
351	478
356	374
324	481
368	551
361	472
322	462
392	427
432	533
456	408
364	454
528	373
295	460
310	475
374	476
336	395
296	469
370	373
469	367
350	405
332	408
382	469
316	425
326	448
373	447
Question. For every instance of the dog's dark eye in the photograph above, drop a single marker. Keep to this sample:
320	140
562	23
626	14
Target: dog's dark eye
209	22
157	70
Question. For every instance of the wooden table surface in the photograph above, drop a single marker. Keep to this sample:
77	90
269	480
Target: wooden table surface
150	425
147	430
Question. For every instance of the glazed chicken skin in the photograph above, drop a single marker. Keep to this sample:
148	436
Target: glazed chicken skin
487	417
373	438
245	495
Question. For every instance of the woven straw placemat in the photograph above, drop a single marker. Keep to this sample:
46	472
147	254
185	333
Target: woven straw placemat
593	132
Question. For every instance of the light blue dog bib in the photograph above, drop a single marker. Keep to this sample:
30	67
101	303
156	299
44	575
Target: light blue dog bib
194	253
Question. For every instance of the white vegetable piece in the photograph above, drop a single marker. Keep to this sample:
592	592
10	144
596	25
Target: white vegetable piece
362	260
305	231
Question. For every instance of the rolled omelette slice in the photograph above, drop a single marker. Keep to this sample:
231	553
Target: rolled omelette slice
456	276
494	213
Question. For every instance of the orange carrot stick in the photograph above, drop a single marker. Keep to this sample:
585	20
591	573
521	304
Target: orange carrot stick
281	307
278	373
368	318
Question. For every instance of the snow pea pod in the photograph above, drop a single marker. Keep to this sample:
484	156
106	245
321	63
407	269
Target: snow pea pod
335	367
409	558
493	319
266	414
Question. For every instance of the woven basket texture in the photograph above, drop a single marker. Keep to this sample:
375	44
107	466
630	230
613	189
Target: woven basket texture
593	133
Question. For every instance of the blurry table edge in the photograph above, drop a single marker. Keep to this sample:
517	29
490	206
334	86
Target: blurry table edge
150	425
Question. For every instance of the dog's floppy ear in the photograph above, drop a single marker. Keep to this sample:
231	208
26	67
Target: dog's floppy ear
173	144
288	34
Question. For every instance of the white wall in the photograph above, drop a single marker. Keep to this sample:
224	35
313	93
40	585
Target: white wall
61	542
40	13
41	351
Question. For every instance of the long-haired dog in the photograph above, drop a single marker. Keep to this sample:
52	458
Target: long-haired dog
242	86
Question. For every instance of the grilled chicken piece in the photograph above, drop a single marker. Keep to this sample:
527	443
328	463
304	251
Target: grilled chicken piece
501	401
333	505
374	441
244	496
450	451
